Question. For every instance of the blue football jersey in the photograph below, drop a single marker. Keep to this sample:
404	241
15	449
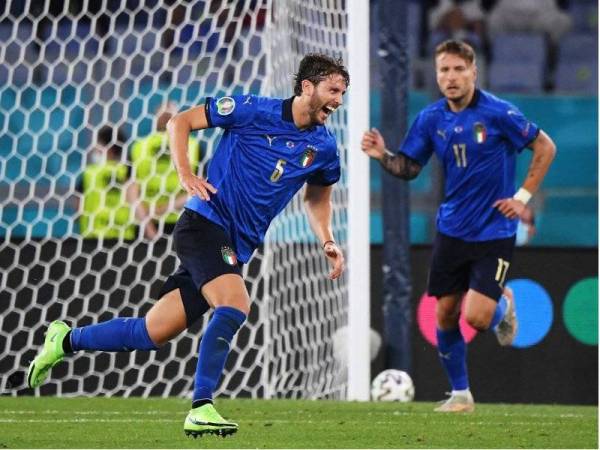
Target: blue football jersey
261	161
477	148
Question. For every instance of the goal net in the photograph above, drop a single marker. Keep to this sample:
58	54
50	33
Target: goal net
73	246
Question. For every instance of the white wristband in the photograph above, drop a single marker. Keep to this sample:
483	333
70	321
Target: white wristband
523	195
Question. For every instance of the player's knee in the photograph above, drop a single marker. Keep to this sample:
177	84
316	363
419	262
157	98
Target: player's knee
447	317
161	333
158	340
234	300
478	320
241	304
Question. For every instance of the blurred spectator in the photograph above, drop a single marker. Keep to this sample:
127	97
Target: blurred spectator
536	16
155	191
457	19
533	16
462	20
526	228
106	213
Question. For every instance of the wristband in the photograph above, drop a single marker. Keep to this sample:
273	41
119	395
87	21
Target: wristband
330	241
523	195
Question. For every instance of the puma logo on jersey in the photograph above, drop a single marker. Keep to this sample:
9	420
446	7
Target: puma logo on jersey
270	139
442	133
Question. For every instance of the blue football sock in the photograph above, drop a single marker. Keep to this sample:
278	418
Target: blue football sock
116	335
214	348
452	351
499	312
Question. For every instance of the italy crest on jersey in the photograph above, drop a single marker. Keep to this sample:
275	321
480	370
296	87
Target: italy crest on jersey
225	106
479	132
229	256
308	156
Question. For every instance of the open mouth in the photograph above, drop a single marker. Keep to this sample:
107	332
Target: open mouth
327	109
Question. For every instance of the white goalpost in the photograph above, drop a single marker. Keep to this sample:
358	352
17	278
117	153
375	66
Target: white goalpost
68	73
359	288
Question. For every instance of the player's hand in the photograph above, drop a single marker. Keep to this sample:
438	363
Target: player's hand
150	230
373	144
336	259
199	186
510	207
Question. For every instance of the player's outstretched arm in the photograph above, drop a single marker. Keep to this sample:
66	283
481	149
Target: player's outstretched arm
398	165
179	128
317	201
544	151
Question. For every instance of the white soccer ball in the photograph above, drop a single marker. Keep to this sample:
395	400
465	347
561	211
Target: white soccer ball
393	385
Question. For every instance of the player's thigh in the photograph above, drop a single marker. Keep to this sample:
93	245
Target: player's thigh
209	261
479	309
227	290
486	280
449	272
489	269
167	318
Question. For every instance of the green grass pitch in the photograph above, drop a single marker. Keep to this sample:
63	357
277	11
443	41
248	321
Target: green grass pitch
49	422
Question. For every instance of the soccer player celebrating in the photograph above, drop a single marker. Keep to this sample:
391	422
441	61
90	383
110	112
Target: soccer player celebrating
270	148
476	136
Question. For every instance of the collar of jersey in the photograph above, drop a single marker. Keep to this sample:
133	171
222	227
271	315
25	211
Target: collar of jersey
287	116
286	110
472	103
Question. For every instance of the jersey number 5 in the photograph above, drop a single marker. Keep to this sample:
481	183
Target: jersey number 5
279	167
460	153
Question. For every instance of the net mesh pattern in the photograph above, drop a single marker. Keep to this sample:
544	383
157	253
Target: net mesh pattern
69	70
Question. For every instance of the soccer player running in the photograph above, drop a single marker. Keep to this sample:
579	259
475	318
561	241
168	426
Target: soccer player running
476	136
270	148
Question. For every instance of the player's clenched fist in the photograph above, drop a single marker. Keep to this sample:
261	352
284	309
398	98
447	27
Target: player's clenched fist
373	143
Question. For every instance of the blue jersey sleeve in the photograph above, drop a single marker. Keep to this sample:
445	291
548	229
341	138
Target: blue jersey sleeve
519	131
229	112
417	143
329	174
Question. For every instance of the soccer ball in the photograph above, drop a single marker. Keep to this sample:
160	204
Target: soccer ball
393	386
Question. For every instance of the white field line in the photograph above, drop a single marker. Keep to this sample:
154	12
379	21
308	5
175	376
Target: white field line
277	421
285	422
170	413
77	420
83	413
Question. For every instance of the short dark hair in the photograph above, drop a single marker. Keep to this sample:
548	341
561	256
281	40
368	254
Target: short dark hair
458	48
315	67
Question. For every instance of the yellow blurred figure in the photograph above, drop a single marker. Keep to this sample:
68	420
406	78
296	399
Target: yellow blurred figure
106	212
155	192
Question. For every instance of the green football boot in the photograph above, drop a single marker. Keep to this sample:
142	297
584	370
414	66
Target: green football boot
206	420
52	353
